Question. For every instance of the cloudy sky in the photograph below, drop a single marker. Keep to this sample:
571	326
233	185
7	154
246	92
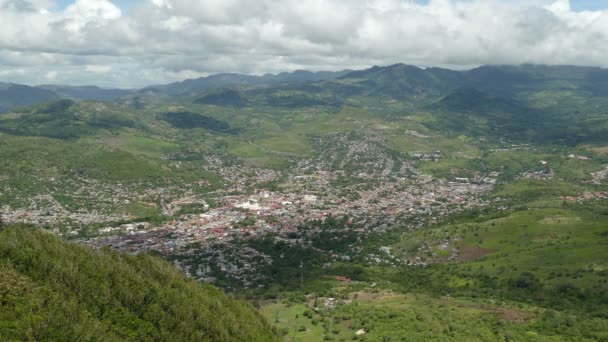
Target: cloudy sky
132	43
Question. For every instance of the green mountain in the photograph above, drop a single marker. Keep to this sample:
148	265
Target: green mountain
86	92
529	103
223	97
192	86
404	82
65	119
471	100
51	290
13	95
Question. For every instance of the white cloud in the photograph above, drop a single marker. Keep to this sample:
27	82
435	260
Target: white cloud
12	72
98	69
162	40
51	75
84	12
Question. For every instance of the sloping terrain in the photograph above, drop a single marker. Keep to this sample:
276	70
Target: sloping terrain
53	290
13	95
87	92
192	86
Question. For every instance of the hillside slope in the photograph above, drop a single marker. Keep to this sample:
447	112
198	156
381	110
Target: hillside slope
13	95
86	92
189	86
53	290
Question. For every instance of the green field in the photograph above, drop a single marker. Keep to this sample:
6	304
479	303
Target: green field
387	316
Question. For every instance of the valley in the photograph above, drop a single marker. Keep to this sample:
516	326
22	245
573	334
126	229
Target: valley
304	171
369	205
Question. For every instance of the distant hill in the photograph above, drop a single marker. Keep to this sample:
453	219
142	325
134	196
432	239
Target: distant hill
537	102
410	83
193	86
187	120
401	82
13	95
471	100
474	112
52	290
87	92
65	119
223	97
405	82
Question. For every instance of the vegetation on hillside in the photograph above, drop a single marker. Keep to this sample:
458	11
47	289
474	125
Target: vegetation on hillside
534	274
53	290
188	120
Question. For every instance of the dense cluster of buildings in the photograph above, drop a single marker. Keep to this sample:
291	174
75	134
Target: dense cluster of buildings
352	175
376	196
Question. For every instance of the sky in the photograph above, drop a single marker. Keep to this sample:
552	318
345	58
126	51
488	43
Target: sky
134	43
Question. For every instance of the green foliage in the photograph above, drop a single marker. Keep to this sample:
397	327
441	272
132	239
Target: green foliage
223	97
551	257
188	120
285	268
53	290
392	317
64	119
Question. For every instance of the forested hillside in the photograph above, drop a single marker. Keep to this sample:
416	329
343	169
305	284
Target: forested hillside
51	290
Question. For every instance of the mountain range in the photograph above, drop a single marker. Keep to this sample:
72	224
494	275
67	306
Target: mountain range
401	82
14	95
530	102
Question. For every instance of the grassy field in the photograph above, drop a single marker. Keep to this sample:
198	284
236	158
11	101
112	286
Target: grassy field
388	316
130	141
539	273
560	246
535	274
